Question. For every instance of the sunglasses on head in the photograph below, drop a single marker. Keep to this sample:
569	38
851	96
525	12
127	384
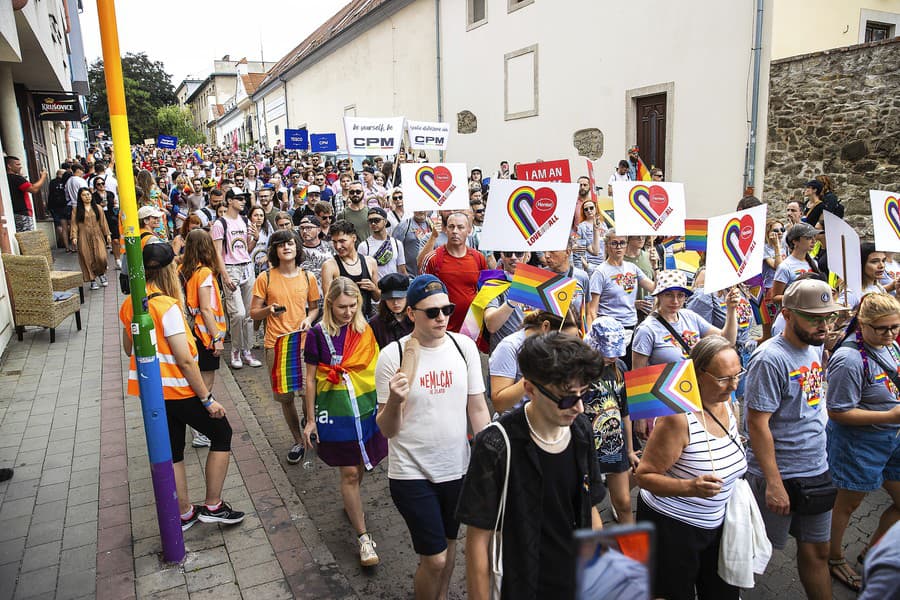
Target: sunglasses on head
432	313
563	402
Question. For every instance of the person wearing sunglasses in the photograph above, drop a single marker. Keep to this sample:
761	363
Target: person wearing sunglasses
430	388
786	424
554	483
395	214
356	211
864	420
773	255
501	316
386	251
687	473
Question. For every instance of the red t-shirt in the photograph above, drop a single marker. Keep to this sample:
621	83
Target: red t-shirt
460	275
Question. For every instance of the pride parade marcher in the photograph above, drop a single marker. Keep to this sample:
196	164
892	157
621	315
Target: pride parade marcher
189	402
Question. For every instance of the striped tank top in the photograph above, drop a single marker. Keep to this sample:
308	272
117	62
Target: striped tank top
698	459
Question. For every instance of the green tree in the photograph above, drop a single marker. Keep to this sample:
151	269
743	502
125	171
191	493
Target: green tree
147	89
178	121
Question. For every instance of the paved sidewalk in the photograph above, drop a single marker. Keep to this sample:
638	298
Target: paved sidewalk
78	519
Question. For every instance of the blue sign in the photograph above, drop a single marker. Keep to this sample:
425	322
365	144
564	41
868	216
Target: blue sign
324	142
169	142
296	139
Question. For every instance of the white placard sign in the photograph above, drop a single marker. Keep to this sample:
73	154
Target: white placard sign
844	259
529	215
428	136
734	248
380	136
434	186
649	208
886	219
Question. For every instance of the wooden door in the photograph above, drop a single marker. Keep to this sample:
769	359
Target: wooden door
651	130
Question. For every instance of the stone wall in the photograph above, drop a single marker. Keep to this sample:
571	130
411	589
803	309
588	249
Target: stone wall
835	112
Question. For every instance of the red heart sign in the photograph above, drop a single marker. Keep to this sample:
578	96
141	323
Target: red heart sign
544	205
747	230
442	178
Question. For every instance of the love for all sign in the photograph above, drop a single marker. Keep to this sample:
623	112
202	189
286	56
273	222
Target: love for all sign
549	170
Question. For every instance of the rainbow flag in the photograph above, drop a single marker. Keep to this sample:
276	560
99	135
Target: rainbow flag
760	311
542	289
287	369
642	172
302	194
660	390
198	156
491	284
695	235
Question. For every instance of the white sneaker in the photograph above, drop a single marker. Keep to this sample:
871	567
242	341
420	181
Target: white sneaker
367	555
95	285
200	441
236	362
248	359
104	281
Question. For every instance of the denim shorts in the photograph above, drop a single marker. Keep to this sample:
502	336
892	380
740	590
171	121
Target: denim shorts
862	458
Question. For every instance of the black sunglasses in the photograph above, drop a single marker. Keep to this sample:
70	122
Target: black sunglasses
374	221
432	313
563	402
519	255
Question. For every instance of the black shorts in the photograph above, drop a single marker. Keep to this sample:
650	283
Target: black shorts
429	510
190	411
206	360
61	214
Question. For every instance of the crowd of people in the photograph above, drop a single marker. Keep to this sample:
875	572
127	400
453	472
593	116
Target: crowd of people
799	379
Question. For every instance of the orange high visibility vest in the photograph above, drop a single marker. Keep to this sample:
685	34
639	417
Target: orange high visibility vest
192	297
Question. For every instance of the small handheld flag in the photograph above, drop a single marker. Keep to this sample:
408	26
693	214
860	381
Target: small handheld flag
491	284
695	235
660	390
287	368
642	172
542	289
198	156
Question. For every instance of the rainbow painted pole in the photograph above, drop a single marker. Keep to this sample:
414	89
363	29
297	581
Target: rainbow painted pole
152	403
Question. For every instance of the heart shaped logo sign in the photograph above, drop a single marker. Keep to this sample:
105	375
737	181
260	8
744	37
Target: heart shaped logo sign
737	241
651	203
531	209
436	182
892	212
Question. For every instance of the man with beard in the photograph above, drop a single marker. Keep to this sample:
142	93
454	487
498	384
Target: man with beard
349	263
413	233
386	251
458	266
786	420
315	250
341	196
207	214
356	211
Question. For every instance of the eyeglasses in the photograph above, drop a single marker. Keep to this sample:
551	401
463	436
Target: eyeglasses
563	402
617	243
589	208
735	379
326	218
375	221
432	313
519	255
826	319
308	227
355	192
479	211
397	197
885	330
778	230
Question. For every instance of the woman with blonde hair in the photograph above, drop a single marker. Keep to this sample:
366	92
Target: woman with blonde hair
864	422
340	354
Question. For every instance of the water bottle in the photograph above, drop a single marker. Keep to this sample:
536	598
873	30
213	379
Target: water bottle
309	457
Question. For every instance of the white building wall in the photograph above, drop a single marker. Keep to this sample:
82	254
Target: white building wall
273	116
590	54
387	70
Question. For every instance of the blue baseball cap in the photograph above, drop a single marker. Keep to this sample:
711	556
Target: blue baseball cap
422	287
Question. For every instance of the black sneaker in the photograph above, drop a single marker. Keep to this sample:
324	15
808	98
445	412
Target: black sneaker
295	455
6	474
188	523
223	514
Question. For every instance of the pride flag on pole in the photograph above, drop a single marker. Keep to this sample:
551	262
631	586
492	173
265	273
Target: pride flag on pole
198	156
491	284
542	289
660	390
642	172
287	368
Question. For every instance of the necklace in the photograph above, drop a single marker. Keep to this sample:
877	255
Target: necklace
539	438
353	264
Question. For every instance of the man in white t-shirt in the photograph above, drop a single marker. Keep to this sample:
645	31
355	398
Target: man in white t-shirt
234	237
387	252
620	174
424	418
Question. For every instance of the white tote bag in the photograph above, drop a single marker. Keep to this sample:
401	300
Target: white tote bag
497	536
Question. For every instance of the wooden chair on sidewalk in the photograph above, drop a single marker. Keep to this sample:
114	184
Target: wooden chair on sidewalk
35	243
32	295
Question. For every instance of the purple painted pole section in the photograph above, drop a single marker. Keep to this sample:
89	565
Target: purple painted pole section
167	511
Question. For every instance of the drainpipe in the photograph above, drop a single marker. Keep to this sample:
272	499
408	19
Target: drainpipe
437	53
287	114
750	158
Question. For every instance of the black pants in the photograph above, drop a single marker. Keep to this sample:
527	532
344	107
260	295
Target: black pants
687	559
191	412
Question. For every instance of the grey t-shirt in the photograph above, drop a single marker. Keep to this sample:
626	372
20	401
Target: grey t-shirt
653	340
849	387
504	360
882	575
788	383
714	309
512	324
790	269
413	236
617	287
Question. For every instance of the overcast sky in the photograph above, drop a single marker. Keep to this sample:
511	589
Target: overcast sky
187	36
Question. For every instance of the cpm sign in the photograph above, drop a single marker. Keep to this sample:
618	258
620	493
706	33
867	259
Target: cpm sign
367	135
550	170
427	136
